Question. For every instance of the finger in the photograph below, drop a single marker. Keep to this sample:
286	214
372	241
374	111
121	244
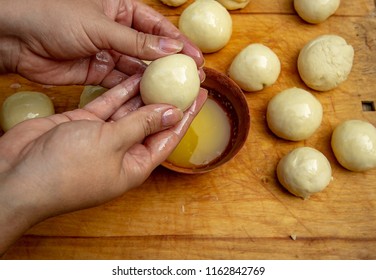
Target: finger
192	50
202	75
101	65
98	69
134	43
109	102
127	64
114	78
128	107
66	72
131	65
161	145
147	20
109	68
147	120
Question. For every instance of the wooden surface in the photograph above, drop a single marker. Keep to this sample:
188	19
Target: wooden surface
238	211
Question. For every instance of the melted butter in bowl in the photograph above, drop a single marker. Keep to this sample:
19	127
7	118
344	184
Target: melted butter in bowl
219	130
206	139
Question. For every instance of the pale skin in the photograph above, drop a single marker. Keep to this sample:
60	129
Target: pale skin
86	157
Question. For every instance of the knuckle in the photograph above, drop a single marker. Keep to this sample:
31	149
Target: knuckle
158	26
150	124
109	103
141	43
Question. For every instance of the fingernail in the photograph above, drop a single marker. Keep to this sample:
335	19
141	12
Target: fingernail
170	45
103	56
196	54
191	113
171	117
202	75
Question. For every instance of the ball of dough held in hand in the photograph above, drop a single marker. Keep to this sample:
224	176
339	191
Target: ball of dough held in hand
25	105
354	145
325	62
234	4
304	171
208	24
173	80
255	67
294	114
316	11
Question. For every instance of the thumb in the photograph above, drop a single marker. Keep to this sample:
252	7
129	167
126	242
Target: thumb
147	120
128	41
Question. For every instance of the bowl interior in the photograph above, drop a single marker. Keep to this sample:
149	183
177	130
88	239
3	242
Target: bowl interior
229	95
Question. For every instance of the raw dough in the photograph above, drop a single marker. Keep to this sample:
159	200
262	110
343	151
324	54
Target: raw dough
304	171
294	114
24	105
316	11
173	3
354	145
208	24
325	62
89	93
172	79
255	67
234	4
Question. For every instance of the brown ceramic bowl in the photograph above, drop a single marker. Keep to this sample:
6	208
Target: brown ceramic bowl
227	93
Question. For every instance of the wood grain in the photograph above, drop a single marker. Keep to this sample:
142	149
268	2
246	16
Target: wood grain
347	8
238	211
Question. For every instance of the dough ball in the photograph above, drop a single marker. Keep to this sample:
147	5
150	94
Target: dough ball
208	24
304	171
316	11
354	145
173	80
234	4
173	3
255	67
325	62
294	114
89	93
24	105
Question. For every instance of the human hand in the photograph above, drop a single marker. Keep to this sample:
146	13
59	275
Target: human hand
85	41
85	157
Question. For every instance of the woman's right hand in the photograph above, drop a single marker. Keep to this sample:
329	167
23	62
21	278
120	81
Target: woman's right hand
85	41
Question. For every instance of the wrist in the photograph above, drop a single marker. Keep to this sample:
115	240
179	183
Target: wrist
16	217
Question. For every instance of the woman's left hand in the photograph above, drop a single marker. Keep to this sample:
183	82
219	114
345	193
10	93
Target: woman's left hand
85	157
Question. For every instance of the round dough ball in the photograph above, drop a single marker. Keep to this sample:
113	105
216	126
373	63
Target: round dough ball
294	114
208	24
255	67
173	80
234	4
325	62
24	105
304	171
173	3
316	11
354	145
89	93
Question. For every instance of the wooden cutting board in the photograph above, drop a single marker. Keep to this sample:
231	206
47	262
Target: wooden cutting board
238	211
